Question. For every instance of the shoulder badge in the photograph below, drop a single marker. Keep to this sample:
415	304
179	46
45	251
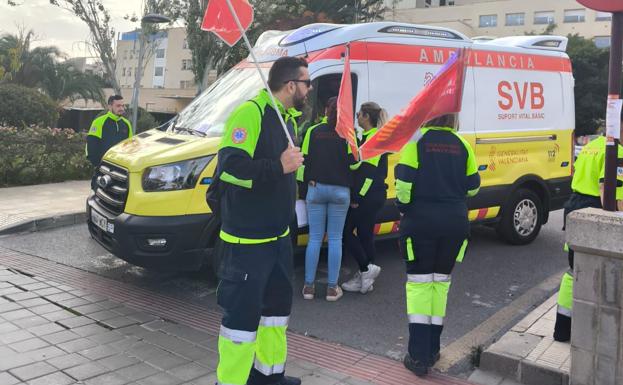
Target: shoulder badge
239	135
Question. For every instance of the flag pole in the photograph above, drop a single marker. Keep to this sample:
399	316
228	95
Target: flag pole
257	65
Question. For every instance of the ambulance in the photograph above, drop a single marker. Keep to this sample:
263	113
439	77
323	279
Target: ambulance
149	207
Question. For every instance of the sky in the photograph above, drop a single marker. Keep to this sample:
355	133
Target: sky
56	26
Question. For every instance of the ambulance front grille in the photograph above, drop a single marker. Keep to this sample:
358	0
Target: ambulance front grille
112	187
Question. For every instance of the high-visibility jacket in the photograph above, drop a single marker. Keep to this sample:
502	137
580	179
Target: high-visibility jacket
106	131
590	168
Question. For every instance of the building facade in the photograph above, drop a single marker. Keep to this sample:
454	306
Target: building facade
499	18
167	81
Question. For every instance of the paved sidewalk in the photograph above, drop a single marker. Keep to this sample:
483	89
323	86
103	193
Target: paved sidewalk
60	325
37	207
527	353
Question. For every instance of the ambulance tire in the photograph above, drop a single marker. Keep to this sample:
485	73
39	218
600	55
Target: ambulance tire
522	217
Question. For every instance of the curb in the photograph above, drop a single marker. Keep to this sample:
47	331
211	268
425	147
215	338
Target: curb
45	223
521	370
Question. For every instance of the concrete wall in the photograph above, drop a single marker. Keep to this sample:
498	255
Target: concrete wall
597	328
465	17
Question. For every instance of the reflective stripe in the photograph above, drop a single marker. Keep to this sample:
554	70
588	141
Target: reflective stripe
300	174
420	278
435	320
565	293
365	187
564	311
274	321
471	193
419	319
268	370
249	241
566	247
459	257
442	277
237	335
410	255
403	191
225	177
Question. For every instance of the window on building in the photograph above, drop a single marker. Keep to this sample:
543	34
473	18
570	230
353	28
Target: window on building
450	2
515	19
488	21
129	73
160	53
544	17
575	15
123	72
185	44
187	64
602	41
186	84
428	3
159	71
603	16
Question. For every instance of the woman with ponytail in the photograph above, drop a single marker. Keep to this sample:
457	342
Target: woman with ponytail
367	199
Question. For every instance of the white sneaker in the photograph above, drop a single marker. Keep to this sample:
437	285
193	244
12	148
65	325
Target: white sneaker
368	277
353	284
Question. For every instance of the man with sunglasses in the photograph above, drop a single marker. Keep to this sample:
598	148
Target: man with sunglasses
257	167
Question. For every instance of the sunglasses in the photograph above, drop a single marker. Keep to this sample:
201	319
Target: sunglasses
307	82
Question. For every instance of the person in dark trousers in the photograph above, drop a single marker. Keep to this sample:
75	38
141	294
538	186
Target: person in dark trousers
256	166
435	175
325	185
587	186
106	131
368	197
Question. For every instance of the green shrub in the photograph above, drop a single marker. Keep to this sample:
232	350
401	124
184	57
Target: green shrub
145	121
22	106
34	155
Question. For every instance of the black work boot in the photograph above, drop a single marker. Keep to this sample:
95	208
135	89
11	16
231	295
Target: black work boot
435	358
287	380
420	369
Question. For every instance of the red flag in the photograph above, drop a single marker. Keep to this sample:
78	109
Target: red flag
219	19
345	126
442	95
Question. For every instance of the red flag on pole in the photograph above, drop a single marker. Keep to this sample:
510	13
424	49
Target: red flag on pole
441	96
219	19
345	126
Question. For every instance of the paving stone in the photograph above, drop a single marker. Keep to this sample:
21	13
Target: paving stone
161	379
21	296
45	353
88	309
15	336
485	377
9	306
108	304
7	327
94	298
156	325
107	379
187	333
106	338
86	371
48	328
76	345
89	330
193	352
209	361
12	360
17	314
7	379
65	287
78	292
38	301
165	360
124	310
31	371
75	322
60	297
57	378
210	379
137	372
48	291
67	361
98	352
29	322
74	302
142	317
58	315
191	371
103	315
60	337
118	361
10	290
119	322
28	345
126	344
35	286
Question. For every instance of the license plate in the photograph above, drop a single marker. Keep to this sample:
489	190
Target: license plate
101	222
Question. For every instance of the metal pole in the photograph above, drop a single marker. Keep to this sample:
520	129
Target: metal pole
137	78
257	65
614	90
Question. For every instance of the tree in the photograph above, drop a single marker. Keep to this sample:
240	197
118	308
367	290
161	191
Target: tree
208	52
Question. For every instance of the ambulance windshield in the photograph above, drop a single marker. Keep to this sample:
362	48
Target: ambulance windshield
210	110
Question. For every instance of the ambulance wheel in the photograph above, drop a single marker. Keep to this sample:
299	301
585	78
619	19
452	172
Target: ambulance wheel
522	217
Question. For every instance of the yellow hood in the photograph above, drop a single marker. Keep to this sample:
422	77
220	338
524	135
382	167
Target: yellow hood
155	147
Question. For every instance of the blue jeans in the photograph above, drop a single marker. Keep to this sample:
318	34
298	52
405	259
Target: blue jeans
327	206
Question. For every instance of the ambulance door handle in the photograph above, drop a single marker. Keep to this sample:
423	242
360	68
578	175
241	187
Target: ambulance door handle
516	139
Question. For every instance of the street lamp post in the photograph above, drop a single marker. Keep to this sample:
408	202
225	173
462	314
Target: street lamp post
151	18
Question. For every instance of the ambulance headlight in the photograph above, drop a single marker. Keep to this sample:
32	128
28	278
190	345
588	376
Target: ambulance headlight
175	176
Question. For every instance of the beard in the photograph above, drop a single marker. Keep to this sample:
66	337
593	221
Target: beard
299	100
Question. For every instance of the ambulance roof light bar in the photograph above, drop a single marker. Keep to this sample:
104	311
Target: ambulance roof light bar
422	32
307	32
544	42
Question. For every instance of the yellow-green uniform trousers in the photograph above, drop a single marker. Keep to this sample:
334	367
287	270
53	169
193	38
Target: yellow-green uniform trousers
434	176
257	206
589	173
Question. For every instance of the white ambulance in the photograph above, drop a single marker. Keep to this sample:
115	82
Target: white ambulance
518	115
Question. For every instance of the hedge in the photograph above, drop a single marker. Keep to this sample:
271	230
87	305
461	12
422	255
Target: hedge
22	106
35	155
